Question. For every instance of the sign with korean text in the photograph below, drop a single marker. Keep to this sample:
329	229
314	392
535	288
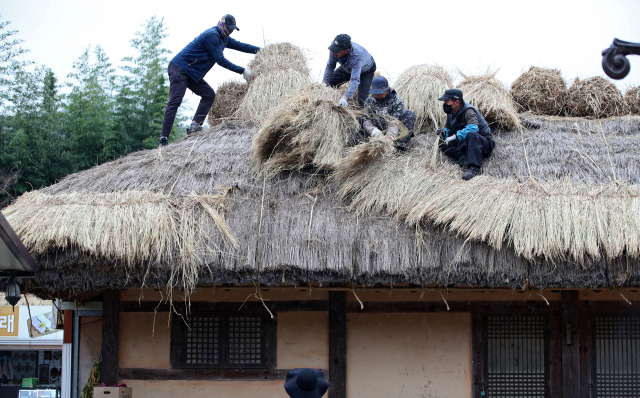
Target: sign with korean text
9	321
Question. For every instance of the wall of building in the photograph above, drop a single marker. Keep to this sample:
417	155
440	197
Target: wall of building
144	340
409	355
206	389
90	347
303	340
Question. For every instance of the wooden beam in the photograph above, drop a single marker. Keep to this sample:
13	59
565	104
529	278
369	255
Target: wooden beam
454	306
110	336
338	344
204	374
223	306
570	344
477	354
67	322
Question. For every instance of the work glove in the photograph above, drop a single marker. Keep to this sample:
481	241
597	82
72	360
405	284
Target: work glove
247	75
394	130
343	102
443	132
451	139
375	132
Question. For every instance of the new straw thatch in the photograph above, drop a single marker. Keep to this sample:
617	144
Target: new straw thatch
595	97
308	128
540	91
492	99
279	70
557	206
632	100
420	87
229	95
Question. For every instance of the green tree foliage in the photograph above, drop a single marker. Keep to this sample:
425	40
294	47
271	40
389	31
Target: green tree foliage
144	91
105	113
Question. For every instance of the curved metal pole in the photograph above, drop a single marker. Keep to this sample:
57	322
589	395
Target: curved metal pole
614	59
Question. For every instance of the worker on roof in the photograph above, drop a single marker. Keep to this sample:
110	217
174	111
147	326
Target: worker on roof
356	64
385	101
188	68
466	137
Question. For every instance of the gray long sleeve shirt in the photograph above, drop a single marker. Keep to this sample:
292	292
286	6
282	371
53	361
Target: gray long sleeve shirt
356	62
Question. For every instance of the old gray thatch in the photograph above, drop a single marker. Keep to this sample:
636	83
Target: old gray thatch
194	213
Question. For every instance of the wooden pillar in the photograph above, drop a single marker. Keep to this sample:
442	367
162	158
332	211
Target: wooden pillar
338	344
570	344
477	353
110	336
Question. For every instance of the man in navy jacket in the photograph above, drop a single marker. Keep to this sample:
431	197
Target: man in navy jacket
188	68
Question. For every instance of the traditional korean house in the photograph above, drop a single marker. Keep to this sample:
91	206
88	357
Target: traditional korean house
195	277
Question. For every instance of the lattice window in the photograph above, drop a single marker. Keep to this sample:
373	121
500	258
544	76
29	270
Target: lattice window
223	341
202	341
245	341
617	352
515	356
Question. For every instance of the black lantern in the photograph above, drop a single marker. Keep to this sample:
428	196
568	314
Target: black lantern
12	295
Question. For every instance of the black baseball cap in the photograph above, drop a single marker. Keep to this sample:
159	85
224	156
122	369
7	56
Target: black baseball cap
341	42
230	21
453	94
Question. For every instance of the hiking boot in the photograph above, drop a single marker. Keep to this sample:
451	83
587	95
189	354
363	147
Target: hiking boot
470	173
193	130
163	141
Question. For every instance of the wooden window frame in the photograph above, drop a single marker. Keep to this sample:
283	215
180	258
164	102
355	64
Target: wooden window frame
553	355
588	311
268	349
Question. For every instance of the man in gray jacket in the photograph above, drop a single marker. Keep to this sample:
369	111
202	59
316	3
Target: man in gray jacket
356	64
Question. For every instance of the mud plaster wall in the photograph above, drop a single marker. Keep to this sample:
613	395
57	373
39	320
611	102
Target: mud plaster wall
409	355
143	343
89	348
208	389
303	340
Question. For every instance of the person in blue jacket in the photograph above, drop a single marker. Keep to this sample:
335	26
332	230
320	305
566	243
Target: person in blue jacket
466	137
356	64
188	68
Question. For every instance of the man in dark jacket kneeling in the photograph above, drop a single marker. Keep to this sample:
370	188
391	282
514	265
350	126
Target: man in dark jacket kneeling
384	101
188	68
466	137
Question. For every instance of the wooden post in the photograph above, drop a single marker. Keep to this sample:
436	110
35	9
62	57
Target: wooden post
110	336
477	353
570	344
338	344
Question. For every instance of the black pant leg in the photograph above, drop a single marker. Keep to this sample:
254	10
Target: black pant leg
365	85
178	82
478	147
338	77
207	97
452	150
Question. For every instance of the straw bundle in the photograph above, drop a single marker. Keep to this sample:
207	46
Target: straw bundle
279	69
229	95
308	128
632	100
595	97
420	87
541	91
131	227
492	99
283	56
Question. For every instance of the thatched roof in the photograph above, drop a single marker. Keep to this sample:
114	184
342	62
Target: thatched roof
194	213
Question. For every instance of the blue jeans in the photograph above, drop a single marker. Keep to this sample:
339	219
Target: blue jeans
179	81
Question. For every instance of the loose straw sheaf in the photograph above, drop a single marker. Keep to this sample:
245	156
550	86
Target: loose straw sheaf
229	95
279	69
420	87
308	128
492	99
595	97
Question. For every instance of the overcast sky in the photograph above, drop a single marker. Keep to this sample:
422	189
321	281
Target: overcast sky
465	35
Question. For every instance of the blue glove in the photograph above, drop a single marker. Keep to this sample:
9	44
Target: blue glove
469	128
343	102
